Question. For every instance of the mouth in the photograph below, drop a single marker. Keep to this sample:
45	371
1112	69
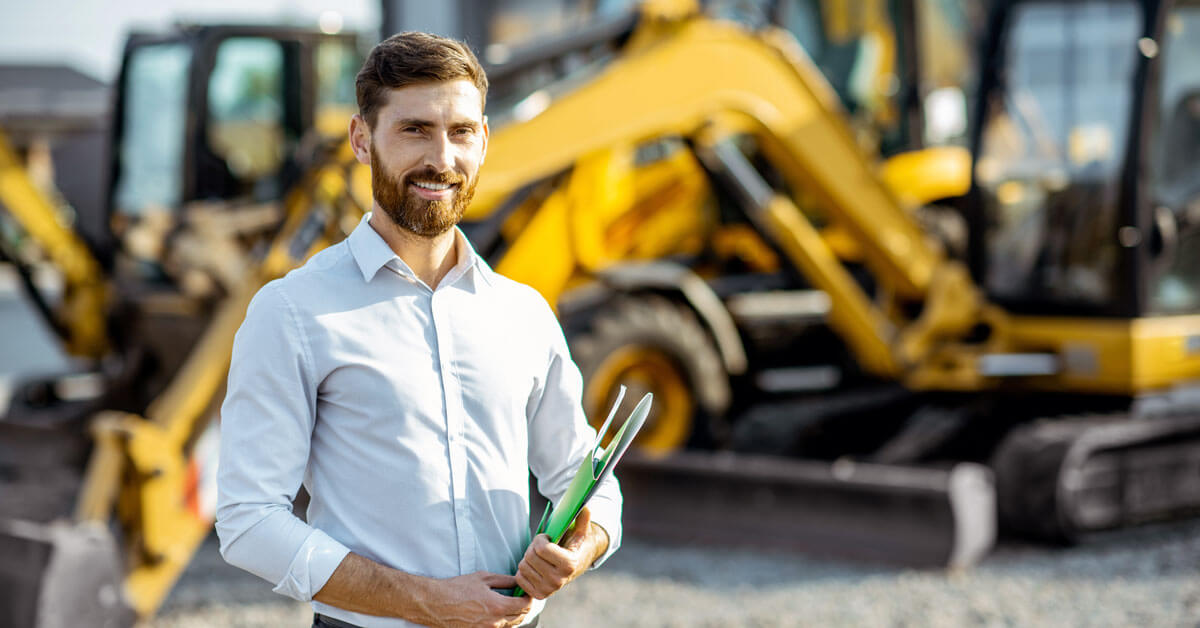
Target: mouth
433	191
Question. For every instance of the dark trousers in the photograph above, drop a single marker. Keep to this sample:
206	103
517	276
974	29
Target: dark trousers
321	621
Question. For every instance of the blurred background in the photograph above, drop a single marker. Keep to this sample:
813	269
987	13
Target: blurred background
915	284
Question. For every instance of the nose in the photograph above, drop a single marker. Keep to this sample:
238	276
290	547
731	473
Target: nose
440	155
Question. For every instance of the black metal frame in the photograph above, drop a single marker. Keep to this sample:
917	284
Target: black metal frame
1143	269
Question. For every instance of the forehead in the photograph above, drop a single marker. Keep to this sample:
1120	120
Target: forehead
444	100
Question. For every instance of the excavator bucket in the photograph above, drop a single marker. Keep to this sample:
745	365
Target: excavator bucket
54	573
60	575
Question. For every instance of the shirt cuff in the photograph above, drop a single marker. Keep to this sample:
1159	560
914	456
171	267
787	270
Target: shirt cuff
606	514
311	567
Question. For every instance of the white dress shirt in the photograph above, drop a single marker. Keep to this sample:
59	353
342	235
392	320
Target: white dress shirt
412	416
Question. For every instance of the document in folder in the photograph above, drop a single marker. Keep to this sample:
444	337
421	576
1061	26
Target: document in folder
594	470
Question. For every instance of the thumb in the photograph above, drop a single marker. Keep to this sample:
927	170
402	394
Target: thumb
583	521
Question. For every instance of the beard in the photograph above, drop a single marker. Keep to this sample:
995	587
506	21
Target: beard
411	212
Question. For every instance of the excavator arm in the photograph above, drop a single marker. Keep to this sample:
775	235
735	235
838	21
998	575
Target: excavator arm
86	291
707	82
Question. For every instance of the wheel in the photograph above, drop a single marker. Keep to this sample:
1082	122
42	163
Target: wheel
650	344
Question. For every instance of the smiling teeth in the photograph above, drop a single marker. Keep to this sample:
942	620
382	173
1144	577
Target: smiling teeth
432	186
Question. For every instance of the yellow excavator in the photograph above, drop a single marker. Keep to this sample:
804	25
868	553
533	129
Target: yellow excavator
1062	351
716	235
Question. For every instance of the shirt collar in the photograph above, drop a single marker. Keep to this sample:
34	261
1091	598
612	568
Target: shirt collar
371	253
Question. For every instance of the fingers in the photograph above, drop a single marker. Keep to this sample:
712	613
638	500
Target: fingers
497	581
538	568
535	583
511	607
550	552
470	601
505	605
545	569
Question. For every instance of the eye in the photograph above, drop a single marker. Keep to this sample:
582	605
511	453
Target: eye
464	130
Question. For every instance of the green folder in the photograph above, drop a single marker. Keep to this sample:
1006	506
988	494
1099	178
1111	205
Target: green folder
593	471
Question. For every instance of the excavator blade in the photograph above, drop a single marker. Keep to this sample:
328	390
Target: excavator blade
906	515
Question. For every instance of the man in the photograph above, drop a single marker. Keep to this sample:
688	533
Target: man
409	388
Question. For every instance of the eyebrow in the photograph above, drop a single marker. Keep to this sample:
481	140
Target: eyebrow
424	124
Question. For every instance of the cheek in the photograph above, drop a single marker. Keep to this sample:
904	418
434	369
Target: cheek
469	161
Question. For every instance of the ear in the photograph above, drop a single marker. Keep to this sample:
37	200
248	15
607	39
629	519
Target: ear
360	139
486	132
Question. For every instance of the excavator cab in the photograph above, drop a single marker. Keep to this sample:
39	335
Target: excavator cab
219	115
1086	160
213	125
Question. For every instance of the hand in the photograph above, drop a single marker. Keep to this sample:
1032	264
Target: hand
469	601
547	567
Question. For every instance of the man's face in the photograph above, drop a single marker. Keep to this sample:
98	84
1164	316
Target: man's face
425	151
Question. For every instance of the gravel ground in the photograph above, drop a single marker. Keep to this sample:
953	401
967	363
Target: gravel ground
1143	577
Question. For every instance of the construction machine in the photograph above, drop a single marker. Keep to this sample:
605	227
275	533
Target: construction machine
690	197
1062	351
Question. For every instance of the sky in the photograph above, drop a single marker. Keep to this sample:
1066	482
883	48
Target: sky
88	35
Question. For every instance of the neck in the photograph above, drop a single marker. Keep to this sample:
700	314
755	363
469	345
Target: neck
430	258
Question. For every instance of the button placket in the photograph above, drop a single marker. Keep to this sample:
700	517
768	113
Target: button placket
455	421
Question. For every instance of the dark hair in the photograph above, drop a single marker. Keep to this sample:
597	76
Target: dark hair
412	58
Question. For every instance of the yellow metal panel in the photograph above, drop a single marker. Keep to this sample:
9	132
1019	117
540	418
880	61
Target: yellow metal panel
671	212
1095	353
1166	351
542	255
1113	356
930	174
600	189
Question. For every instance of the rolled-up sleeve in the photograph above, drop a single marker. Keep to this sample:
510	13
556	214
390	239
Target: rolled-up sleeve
266	428
560	438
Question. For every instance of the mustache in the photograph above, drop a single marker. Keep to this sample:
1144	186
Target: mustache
429	175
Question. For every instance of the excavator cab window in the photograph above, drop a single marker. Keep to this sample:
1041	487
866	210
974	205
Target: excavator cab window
335	64
249	134
1051	158
153	122
1175	168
